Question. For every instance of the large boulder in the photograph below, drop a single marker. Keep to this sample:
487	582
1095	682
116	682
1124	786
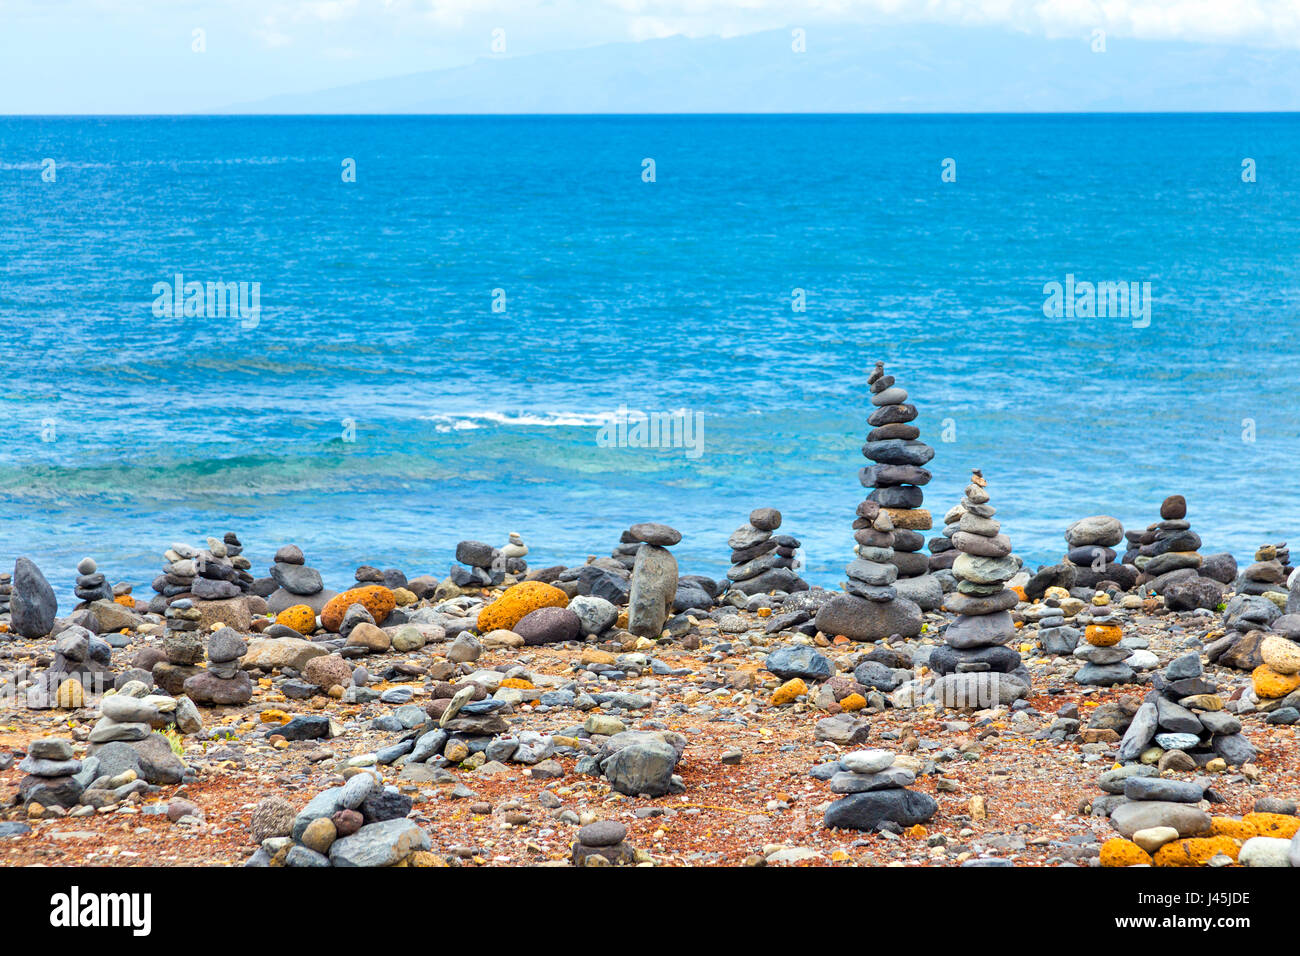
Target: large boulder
654	586
232	612
549	625
1189	593
280	652
1101	530
32	602
799	660
643	767
866	811
379	844
862	620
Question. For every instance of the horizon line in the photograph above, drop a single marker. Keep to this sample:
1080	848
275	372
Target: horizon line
596	115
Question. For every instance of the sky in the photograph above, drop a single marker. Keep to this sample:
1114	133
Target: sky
167	56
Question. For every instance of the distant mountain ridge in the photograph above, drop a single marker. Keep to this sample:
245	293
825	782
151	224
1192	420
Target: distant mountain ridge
911	69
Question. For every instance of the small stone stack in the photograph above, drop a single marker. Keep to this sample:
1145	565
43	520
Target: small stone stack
976	662
91	583
602	844
1054	635
1101	651
477	559
1184	718
875	793
183	646
512	556
1268	573
896	479
295	582
222	682
1091	553
1168	549
51	774
760	561
80	668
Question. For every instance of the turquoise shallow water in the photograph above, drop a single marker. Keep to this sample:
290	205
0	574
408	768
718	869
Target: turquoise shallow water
376	308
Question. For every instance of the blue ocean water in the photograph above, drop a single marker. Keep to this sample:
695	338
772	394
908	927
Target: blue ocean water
127	430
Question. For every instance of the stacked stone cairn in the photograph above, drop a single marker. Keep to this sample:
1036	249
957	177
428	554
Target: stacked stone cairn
1268	574
875	794
213	573
294	583
182	645
1091	555
871	610
602	843
1168	549
511	556
1055	637
222	682
654	579
1103	653
761	561
6	589
91	583
80	668
51	770
1182	724
896	478
477	558
976	667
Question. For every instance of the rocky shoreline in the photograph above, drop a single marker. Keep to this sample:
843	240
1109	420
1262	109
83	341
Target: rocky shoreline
950	709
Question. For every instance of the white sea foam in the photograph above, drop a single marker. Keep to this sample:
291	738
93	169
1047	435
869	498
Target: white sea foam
465	421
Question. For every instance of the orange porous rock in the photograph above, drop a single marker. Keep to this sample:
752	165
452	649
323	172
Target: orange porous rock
300	617
1196	852
1270	684
125	600
1019	592
520	599
1121	852
517	682
1103	635
1237	829
1278	825
787	692
375	598
853	702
